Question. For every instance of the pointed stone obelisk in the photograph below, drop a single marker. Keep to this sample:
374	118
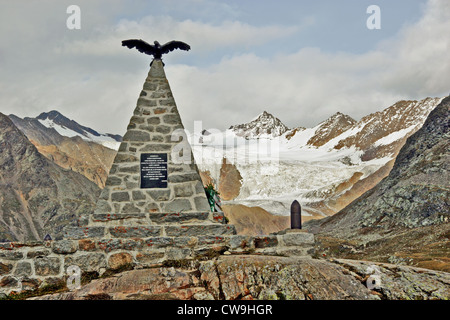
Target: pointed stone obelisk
153	132
154	187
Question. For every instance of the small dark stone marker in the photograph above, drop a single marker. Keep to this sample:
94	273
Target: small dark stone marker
47	238
296	215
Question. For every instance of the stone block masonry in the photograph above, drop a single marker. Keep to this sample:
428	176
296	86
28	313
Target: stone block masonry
154	128
28	266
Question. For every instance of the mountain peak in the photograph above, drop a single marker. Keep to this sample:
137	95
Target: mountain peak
340	115
50	115
264	126
70	128
331	128
52	118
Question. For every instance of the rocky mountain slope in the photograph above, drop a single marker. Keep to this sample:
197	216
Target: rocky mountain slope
414	198
36	195
87	158
331	128
267	278
70	145
325	167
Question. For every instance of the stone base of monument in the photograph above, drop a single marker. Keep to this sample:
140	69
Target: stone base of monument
155	224
28	266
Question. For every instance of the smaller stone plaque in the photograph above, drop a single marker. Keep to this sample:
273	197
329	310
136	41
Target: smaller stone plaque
153	170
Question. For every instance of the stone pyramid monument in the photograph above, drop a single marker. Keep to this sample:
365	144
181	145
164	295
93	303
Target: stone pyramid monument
153	211
154	188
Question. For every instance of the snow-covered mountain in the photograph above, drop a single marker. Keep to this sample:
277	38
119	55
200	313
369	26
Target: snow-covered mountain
324	167
263	126
71	145
70	128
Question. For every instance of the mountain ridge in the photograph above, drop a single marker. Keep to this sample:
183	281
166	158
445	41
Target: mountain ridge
331	128
88	157
54	119
37	196
422	161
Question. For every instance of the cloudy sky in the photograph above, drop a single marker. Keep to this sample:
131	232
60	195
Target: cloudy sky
299	60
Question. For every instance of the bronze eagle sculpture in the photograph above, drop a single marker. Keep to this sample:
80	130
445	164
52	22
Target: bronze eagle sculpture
155	50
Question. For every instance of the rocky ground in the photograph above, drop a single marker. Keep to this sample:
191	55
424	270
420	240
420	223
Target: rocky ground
255	277
425	247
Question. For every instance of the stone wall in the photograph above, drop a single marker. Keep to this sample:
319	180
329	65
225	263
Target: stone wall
29	266
152	224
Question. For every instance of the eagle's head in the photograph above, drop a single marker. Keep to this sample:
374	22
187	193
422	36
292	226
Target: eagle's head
157	45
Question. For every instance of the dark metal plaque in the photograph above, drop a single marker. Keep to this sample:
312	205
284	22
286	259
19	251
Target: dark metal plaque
153	170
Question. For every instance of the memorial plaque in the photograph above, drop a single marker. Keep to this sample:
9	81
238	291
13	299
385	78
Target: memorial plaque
153	170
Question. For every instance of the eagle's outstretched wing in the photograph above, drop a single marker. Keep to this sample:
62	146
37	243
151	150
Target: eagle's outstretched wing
172	45
140	45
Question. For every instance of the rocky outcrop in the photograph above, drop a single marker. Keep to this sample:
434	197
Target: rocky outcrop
423	247
37	197
268	278
229	181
